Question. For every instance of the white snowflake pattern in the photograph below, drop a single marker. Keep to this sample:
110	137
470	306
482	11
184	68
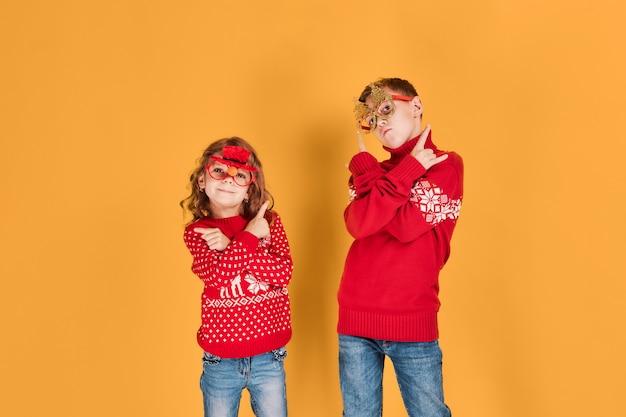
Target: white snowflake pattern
433	203
256	284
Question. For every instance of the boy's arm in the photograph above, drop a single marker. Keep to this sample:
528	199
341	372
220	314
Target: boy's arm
435	198
365	171
379	194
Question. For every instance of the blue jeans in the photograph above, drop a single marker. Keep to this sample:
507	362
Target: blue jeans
223	381
418	371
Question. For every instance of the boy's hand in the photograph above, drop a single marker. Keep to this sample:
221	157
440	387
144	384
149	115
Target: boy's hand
426	157
361	143
213	237
359	139
258	226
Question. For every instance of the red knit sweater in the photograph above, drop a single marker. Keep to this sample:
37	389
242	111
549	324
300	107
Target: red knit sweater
245	303
402	217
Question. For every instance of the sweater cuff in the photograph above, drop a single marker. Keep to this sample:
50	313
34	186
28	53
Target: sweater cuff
248	240
408	170
362	162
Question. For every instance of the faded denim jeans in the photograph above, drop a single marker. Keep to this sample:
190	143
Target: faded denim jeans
418	371
223	381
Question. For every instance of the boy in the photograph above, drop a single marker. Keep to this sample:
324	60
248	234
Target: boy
401	214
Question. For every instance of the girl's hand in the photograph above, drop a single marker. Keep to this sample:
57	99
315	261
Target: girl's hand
426	157
213	237
258	226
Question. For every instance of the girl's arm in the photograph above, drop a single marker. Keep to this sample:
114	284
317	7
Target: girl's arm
272	262
218	268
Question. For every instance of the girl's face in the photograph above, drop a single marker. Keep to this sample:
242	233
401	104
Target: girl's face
225	195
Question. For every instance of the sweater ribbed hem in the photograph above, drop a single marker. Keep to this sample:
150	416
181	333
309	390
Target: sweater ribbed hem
246	349
417	327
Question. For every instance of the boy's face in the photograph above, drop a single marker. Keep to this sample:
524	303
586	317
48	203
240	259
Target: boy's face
405	123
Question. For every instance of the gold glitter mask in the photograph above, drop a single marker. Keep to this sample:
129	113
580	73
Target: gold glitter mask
383	107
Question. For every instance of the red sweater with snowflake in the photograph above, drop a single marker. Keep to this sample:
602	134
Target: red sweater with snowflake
245	303
401	217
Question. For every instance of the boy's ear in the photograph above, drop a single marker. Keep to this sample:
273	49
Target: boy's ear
201	181
416	105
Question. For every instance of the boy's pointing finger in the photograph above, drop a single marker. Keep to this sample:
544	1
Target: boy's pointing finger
422	140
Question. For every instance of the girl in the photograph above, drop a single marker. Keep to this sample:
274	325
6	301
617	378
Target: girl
240	252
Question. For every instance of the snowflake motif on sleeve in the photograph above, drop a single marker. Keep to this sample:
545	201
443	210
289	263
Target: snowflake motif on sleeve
256	284
433	203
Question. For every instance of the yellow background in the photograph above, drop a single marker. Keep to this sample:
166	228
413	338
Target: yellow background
105	105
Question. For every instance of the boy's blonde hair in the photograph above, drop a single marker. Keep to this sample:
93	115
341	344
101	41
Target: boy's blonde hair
398	85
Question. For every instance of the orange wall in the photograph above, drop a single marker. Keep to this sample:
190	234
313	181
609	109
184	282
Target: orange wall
105	106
